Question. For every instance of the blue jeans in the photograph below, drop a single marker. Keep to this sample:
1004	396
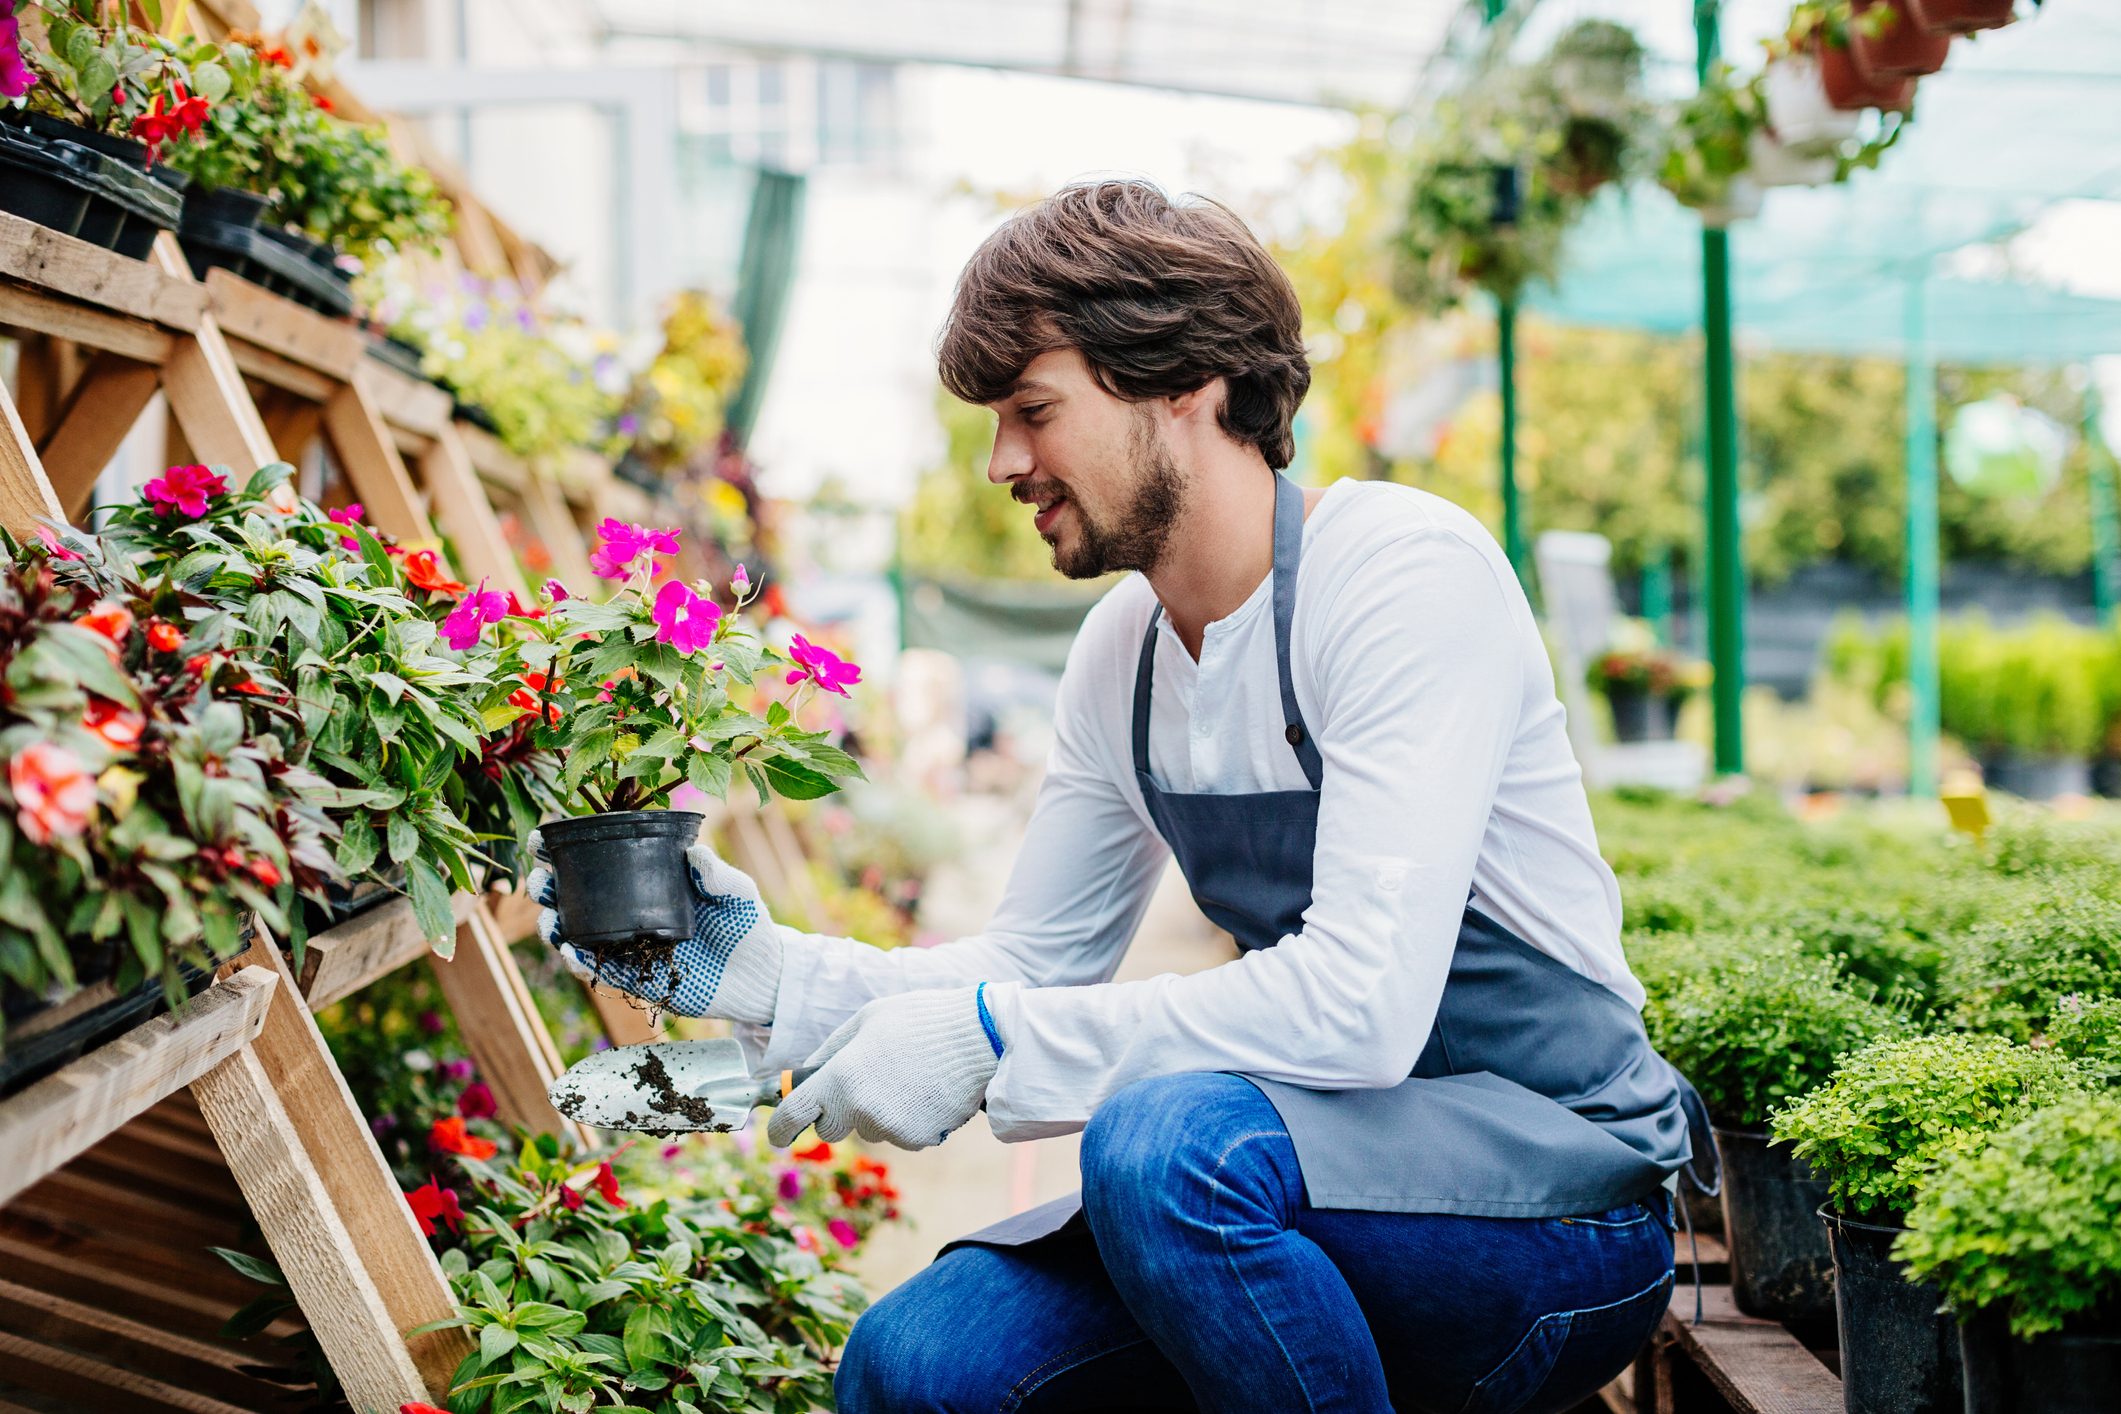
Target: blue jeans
1205	1280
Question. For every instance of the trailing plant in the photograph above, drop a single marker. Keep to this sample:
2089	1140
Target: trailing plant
2025	1221
342	185
658	686
98	71
1893	1111
1708	138
1755	1029
138	815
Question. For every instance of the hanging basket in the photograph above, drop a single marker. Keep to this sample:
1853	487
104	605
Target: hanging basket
1797	108
1741	202
1904	48
1849	91
1961	16
1771	164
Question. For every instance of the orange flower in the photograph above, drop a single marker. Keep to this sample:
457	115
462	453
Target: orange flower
119	727
54	796
113	621
526	697
265	872
424	569
164	637
449	1136
818	1153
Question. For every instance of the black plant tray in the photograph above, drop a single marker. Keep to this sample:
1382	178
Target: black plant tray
130	209
48	183
350	901
129	151
94	1015
396	353
251	253
475	415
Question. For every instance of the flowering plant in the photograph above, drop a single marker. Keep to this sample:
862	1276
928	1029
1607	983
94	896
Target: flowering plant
96	71
675	406
653	688
138	817
1635	660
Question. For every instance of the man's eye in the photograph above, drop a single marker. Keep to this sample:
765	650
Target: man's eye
1033	411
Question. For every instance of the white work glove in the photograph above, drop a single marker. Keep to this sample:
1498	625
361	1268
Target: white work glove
732	966
905	1069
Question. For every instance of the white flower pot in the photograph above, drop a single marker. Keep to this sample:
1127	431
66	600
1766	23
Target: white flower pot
1741	202
1797	107
1773	164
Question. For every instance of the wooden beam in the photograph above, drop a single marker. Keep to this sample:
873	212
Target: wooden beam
292	422
173	1305
26	496
109	400
339	962
45	1125
87	1383
143	290
297	1073
408	404
247	313
37	399
548	519
26	309
311	1242
180	1360
465	515
502	1028
207	398
284	374
370	458
1756	1365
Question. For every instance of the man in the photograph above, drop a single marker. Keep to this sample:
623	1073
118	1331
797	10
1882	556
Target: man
1409	1149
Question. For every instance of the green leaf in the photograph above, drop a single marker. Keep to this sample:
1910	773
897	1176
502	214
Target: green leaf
357	845
211	81
250	1266
430	906
494	1342
404	838
795	780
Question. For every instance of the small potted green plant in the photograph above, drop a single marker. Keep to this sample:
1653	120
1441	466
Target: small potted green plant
656	687
1753	1030
2030	701
1706	161
1875	1133
2018	1235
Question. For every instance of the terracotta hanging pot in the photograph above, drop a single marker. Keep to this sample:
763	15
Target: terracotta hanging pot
1902	47
1849	91
1962	16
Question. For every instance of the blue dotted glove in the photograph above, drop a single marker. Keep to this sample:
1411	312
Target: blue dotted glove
731	968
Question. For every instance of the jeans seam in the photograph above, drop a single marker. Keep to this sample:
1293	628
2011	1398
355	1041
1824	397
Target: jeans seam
1217	1188
1046	1369
1569	1316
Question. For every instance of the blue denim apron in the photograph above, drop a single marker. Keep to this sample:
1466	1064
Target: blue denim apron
1538	1094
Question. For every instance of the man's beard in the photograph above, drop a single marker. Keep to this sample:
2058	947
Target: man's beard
1137	542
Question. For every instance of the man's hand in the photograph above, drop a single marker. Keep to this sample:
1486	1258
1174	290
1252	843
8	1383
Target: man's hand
731	968
906	1069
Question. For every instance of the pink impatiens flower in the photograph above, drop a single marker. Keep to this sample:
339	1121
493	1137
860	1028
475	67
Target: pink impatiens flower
473	612
683	619
54	544
184	488
821	666
16	76
556	591
621	544
54	793
348	514
843	1233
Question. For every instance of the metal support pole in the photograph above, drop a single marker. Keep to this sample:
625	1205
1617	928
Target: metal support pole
1725	581
2106	512
1657	595
1922	565
1512	503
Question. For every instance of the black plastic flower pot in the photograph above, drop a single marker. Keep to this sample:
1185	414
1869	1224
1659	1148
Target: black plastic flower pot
2061	1372
129	210
1781	1269
131	151
1899	1354
2106	777
309	270
2036	777
620	881
224	206
1641	715
42	181
50	1037
397	353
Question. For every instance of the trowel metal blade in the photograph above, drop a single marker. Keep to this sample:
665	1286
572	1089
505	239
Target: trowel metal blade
663	1087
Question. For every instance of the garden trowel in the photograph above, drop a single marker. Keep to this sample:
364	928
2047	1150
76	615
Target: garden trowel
667	1087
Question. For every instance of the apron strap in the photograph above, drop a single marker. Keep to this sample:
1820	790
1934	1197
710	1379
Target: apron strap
1288	552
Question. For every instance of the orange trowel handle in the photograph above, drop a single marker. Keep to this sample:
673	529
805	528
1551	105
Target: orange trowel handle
792	1078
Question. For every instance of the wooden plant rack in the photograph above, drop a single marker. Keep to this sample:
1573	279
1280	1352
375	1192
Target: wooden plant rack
235	1103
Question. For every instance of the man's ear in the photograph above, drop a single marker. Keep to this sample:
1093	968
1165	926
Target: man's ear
1201	402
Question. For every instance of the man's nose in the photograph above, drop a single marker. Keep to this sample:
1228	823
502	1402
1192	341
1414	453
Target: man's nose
1011	459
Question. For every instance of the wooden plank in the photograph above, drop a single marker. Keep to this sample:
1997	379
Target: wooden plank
553	524
143	1213
118	1161
140	289
48	1123
299	1076
412	404
285	374
38	395
465	515
502	1028
134	1345
311	1243
304	337
26	308
88	1383
207	399
26	496
172	1305
109	400
342	960
78	1238
291	421
370	457
493	461
1757	1365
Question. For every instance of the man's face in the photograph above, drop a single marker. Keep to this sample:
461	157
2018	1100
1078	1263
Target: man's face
1095	469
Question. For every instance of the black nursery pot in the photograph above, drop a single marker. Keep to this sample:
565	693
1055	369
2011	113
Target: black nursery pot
1781	1269
228	206
1899	1355
42	182
2062	1372
622	878
1641	715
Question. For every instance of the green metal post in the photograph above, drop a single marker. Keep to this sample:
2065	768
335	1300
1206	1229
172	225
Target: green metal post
1725	581
1657	595
1922	567
1512	503
2106	512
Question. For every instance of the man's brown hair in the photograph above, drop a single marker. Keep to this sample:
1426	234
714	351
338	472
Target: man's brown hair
1159	297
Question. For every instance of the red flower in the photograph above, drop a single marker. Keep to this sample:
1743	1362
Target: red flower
113	621
252	689
164	637
183	488
324	103
606	1183
119	727
818	1153
476	1102
517	611
448	1136
414	1406
424	569
431	1201
54	795
198	663
265	872
572	1199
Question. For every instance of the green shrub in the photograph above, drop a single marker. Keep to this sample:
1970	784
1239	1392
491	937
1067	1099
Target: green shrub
2026	1219
2003	976
1893	1110
2088	1030
1879	945
1754	1031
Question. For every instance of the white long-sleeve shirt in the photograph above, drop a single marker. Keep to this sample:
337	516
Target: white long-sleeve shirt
1421	674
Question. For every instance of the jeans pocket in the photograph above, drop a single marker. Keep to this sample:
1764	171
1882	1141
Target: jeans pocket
1569	1356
